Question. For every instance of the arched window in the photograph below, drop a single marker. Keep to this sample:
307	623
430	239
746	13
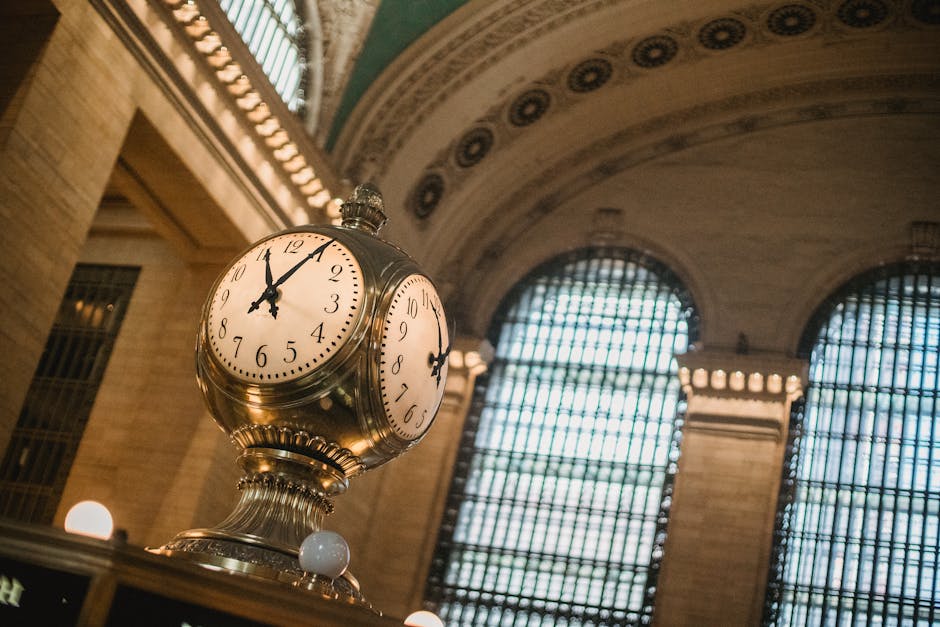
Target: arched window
860	498
558	506
273	30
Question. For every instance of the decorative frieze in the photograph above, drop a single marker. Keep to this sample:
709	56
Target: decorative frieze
748	395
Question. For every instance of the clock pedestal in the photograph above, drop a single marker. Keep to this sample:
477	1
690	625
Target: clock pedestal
322	352
286	492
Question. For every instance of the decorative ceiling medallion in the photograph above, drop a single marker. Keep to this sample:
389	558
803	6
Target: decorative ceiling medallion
862	13
926	11
474	146
590	75
722	34
529	107
791	20
427	195
655	51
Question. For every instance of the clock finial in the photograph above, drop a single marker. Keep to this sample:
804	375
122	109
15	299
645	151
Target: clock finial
364	209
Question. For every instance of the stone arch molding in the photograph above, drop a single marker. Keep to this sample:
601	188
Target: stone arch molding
480	36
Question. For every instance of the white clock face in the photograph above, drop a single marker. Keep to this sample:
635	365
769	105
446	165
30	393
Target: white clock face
413	358
285	307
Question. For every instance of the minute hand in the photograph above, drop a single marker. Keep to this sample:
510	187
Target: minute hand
319	251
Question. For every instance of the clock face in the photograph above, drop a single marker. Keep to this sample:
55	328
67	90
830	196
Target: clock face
285	307
413	357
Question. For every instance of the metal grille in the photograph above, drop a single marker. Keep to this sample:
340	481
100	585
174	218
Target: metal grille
60	397
557	510
857	539
273	30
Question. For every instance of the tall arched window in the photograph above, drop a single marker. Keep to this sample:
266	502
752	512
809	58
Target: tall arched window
860	499
558	506
273	30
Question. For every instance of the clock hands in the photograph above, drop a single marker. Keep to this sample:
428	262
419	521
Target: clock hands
270	291
437	363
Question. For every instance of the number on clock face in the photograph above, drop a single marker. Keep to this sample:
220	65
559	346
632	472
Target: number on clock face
413	357
285	307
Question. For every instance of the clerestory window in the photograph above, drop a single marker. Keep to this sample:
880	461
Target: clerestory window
857	526
558	506
273	30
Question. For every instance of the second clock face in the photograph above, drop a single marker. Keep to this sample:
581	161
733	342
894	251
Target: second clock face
413	357
285	307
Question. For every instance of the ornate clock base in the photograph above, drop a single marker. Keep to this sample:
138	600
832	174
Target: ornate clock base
256	561
285	495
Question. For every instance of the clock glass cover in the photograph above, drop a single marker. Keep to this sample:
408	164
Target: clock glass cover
285	307
413	357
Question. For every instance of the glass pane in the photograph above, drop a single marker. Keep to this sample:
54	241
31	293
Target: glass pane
558	506
857	538
58	403
273	31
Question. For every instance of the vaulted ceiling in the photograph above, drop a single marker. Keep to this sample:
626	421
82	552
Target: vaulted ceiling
511	130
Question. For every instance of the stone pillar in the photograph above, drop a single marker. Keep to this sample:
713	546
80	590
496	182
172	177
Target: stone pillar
720	528
59	138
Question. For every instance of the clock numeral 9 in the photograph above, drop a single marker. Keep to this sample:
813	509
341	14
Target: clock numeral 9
224	296
396	365
403	328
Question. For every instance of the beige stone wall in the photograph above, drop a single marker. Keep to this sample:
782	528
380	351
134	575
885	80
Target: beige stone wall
85	114
150	450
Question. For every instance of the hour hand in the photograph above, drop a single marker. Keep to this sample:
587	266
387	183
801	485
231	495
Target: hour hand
270	291
437	362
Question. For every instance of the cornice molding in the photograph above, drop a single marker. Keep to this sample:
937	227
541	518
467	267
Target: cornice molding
413	89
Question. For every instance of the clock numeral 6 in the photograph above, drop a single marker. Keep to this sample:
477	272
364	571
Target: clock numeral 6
409	414
261	358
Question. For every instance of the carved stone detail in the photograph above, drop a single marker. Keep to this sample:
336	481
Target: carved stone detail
483	43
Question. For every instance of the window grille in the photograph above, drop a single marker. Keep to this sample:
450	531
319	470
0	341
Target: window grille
50	425
859	508
557	510
273	30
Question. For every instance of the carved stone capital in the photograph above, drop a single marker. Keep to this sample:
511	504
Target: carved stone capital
743	395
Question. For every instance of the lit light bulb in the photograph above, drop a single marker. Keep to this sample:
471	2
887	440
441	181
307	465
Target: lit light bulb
423	618
90	518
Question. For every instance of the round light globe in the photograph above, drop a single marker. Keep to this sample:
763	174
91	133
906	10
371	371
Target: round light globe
90	518
423	618
324	553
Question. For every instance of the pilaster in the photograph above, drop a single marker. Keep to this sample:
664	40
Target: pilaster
721	525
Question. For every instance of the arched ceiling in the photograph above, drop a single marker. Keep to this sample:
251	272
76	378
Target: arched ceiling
516	129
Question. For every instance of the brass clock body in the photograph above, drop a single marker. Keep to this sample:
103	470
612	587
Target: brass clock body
328	337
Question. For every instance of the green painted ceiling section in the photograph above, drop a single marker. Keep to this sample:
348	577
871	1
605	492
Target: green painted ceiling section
397	23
